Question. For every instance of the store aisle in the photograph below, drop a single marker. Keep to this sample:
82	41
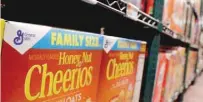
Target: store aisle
195	92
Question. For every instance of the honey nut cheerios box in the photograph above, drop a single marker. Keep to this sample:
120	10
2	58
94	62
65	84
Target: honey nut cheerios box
118	70
160	78
2	24
46	64
140	69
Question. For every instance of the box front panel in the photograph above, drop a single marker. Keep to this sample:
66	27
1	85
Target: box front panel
118	72
63	65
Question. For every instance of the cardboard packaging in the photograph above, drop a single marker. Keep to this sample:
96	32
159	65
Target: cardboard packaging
1	37
161	73
197	5
195	30
173	15
1	32
133	6
192	60
174	72
200	61
140	69
46	64
170	81
118	70
131	11
196	26
140	4
180	67
188	23
173	82
149	7
179	62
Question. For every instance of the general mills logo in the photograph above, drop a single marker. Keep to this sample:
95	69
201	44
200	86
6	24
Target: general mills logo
21	37
107	43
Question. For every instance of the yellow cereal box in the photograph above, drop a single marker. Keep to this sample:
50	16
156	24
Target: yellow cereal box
1	32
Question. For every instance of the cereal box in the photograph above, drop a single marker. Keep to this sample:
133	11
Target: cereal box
140	69
188	22
138	3
200	61
118	70
162	68
1	37
180	64
190	73
173	15
1	32
175	71
149	7
46	64
169	79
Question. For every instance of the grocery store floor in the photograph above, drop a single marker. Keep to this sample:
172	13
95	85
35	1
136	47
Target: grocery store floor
195	92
